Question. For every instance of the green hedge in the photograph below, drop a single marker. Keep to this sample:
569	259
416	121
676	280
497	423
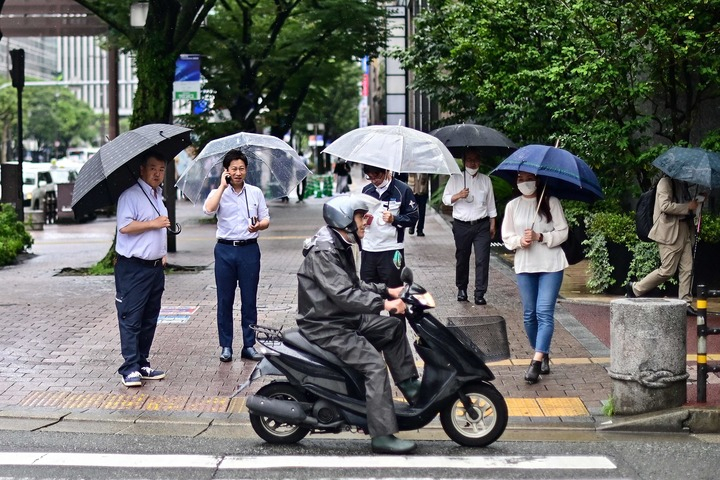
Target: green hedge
14	239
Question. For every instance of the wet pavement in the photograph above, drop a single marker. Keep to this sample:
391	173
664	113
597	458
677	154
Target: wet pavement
60	344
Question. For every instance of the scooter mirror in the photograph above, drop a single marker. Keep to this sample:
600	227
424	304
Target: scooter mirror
406	275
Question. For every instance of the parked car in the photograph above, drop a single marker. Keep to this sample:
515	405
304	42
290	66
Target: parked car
44	195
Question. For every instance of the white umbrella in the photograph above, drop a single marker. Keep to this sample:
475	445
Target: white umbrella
273	165
395	148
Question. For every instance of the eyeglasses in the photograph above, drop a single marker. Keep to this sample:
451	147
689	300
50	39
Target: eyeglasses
375	174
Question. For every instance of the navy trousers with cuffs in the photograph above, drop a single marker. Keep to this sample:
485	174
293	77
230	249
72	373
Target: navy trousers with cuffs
237	266
139	286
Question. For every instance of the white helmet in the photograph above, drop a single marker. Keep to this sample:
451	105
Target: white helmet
339	211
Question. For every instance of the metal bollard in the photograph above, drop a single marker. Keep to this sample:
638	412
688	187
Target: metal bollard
648	352
702	332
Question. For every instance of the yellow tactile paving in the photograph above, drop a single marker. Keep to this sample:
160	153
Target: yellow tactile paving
165	403
562	407
523	407
236	405
125	402
44	399
208	404
517	407
85	400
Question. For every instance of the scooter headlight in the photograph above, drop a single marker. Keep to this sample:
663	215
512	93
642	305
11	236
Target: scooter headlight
425	299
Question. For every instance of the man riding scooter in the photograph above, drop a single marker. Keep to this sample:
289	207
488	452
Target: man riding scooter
341	314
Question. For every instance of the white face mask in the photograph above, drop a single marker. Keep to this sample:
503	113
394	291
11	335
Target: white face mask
471	171
384	184
527	188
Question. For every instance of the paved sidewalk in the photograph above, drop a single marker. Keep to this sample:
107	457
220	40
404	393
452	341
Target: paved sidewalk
60	344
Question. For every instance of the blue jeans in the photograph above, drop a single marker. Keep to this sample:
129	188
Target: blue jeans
237	267
539	292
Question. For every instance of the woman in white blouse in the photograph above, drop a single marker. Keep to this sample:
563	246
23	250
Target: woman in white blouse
534	227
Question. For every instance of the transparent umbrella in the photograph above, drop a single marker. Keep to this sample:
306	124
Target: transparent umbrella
273	166
395	148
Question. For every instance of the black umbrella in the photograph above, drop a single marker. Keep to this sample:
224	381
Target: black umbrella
116	166
485	139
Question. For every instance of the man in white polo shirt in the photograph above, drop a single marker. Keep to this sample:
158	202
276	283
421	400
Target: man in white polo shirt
141	249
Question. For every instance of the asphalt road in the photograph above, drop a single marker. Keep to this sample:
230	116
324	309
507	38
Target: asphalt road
533	454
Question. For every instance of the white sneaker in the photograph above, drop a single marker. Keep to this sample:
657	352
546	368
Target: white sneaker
133	379
148	373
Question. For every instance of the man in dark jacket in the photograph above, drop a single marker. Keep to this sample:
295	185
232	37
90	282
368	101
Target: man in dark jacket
341	314
383	255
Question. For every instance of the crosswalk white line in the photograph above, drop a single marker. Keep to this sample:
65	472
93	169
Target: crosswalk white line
519	462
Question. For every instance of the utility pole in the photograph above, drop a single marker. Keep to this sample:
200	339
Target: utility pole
18	81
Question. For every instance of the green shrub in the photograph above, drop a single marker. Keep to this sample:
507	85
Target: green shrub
710	228
14	239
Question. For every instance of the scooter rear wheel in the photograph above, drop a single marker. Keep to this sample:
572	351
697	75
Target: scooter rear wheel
492	417
273	431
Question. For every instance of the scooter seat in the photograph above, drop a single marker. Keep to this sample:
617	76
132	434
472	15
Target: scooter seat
295	338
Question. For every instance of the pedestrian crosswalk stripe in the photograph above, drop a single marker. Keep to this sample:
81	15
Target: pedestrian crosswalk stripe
131	461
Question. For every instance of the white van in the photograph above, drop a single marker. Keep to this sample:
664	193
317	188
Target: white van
80	154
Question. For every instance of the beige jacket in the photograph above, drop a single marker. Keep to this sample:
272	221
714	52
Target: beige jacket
419	183
667	214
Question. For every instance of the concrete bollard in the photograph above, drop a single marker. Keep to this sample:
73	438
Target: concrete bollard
648	349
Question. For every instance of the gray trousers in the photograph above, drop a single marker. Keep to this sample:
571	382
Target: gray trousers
360	348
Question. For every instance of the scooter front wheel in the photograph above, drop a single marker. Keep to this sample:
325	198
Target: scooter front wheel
274	431
490	421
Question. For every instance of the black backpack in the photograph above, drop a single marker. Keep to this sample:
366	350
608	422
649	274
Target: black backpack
644	214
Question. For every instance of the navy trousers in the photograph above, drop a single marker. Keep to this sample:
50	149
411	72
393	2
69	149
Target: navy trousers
237	267
138	294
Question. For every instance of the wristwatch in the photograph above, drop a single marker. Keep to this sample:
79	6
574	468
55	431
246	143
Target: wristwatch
540	239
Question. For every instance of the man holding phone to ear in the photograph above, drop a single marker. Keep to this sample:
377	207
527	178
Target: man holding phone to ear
241	213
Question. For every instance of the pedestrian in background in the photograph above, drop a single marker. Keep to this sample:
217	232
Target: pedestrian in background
473	200
383	252
534	228
341	172
141	248
300	189
420	185
673	222
241	214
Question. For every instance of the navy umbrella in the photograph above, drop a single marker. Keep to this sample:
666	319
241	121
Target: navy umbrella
116	166
565	175
457	138
692	165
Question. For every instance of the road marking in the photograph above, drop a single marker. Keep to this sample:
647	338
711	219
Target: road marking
510	462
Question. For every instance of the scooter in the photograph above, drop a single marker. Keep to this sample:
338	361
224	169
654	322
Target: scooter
316	392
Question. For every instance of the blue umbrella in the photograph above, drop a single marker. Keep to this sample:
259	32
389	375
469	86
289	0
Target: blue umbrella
692	165
566	176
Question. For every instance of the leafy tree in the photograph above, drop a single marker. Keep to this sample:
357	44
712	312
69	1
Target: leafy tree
266	55
69	120
170	26
8	116
609	79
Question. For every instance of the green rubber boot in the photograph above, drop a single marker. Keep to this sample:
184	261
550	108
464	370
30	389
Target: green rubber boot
392	444
410	388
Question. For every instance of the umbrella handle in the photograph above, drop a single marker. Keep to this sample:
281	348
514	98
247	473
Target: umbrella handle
176	231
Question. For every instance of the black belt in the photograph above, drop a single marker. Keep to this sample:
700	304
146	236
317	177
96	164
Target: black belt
237	243
142	261
471	222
